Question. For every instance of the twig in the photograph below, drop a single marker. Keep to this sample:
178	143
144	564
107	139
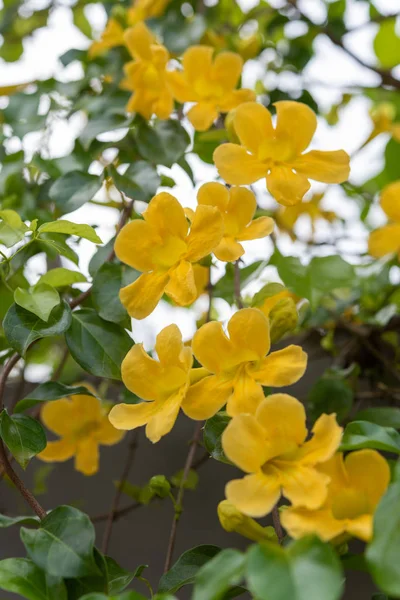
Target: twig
210	289
277	523
111	516
8	367
181	492
236	284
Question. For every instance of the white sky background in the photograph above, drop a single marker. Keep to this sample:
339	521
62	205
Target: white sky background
330	73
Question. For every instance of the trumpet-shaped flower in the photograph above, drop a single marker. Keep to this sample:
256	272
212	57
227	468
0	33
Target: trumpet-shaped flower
277	153
383	119
287	216
113	35
238	366
386	239
146	9
357	483
162	383
146	75
162	248
209	83
237	206
271	447
232	519
82	424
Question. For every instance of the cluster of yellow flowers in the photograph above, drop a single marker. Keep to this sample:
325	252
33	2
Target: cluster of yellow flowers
266	437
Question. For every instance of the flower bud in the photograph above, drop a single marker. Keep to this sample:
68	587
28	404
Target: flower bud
118	13
282	318
249	47
160	486
232	519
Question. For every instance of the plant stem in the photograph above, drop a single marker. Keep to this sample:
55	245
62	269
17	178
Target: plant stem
238	297
277	523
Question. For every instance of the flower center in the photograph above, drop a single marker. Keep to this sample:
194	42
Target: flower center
350	504
276	150
86	430
208	90
170	252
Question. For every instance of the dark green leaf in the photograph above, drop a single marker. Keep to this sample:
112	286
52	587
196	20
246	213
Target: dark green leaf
385	416
180	33
205	142
23	327
105	292
46	392
163	143
130	595
9	521
23	436
383	551
73	190
184	570
23	577
362	434
63	545
97	345
308	569
56	243
101	124
213	430
39	300
100	257
330	395
139	182
220	573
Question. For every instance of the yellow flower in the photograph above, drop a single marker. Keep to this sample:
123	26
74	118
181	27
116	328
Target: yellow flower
357	483
386	239
271	446
232	519
163	383
112	36
277	152
161	247
82	424
209	83
238	366
146	75
287	216
237	206
383	120
276	292
146	9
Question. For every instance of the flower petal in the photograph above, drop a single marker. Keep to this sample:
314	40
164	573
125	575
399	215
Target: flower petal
181	91
283	419
300	522
384	240
206	397
58	451
287	187
241	208
164	419
169	345
246	396
166	215
58	416
142	296
201	278
197	62
202	115
326	166
212	348
368	472
226	69
134	245
249	331
182	286
254	495
138	40
296	122
243	442
281	368
205	232
214	194
236	166
87	456
327	435
129	416
303	486
107	434
235	99
361	527
258	228
390	200
163	105
253	124
228	250
141	373
86	409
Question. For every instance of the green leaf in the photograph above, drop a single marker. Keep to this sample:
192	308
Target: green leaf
12	228
219	574
98	346
130	595
213	430
102	124
56	243
191	481
9	521
108	281
385	416
205	142
330	395
21	576
163	143
139	182
361	434
22	327
61	277
23	436
179	33
39	300
63	545
186	567
387	44
46	392
308	569
73	190
383	552
100	257
113	578
69	228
